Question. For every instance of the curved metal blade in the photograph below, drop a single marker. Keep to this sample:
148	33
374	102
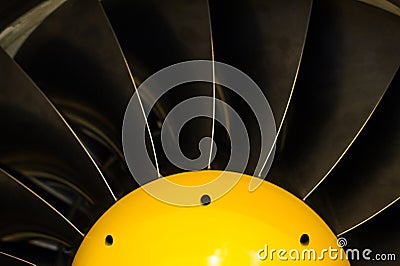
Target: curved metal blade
8	259
246	37
175	31
10	11
24	214
349	61
380	235
385	5
36	142
264	39
366	180
75	59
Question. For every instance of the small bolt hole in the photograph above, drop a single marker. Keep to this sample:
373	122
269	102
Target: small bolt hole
305	239
205	200
109	240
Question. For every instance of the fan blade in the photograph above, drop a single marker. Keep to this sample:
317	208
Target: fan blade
385	5
75	59
182	33
380	235
264	39
35	139
367	179
11	11
347	67
25	17
246	38
8	259
175	31
24	214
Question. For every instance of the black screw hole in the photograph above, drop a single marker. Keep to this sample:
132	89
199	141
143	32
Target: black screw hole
109	240
205	200
305	239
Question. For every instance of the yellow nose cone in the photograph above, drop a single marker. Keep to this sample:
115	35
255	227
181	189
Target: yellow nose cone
268	226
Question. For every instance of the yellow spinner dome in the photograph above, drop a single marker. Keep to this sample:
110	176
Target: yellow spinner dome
268	226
